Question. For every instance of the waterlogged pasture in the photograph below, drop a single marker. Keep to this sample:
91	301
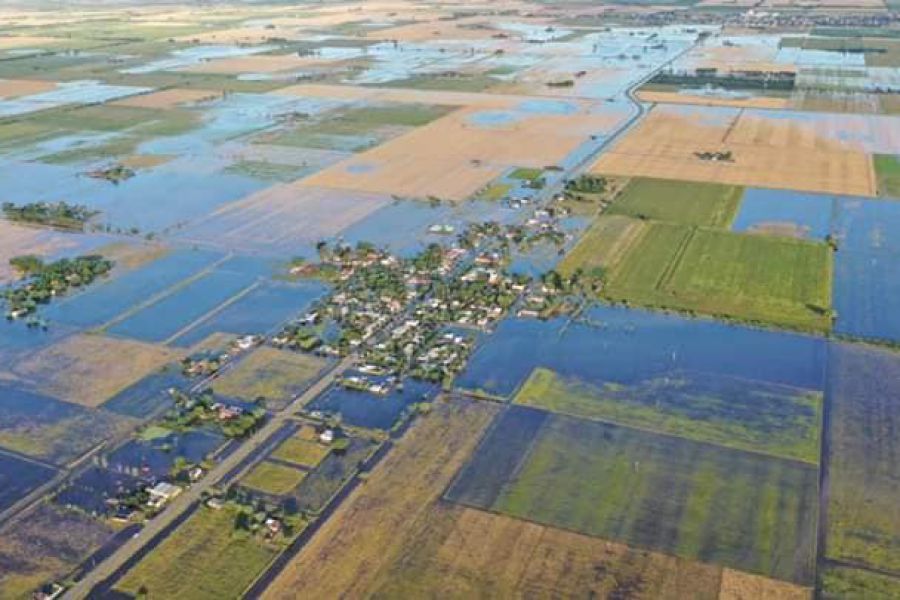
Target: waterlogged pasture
46	545
147	396
52	430
277	376
738	413
19	476
863	519
694	500
155	457
627	346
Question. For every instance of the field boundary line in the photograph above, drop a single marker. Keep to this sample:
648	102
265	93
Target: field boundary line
212	313
669	272
162	295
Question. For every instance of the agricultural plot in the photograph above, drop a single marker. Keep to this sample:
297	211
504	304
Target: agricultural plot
167	99
862	517
603	245
694	500
206	557
276	220
44	546
738	413
52	430
704	204
748	277
357	128
847	582
887	174
90	369
302	449
275	375
478	147
767	151
321	484
371	528
147	396
273	478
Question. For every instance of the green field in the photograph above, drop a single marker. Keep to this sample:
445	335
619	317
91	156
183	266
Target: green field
273	478
494	192
307	453
267	171
694	500
641	272
706	204
526	173
753	278
864	457
742	414
203	558
838	583
603	245
887	174
358	128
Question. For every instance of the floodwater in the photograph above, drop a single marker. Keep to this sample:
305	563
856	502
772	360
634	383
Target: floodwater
19	476
808	215
262	309
626	346
374	411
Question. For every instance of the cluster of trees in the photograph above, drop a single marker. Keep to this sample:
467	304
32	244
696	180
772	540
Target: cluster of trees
114	174
587	184
59	214
44	281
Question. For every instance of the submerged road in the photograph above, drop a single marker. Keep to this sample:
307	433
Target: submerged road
184	501
187	499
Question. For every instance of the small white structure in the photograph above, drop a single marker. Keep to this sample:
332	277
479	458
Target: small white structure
163	492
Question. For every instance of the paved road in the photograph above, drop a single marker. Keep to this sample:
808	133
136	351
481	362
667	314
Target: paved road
187	498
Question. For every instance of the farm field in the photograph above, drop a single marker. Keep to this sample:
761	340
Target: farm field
90	369
768	152
862	519
728	507
737	413
887	173
276	375
702	204
273	478
204	558
372	527
747	277
605	243
49	543
302	449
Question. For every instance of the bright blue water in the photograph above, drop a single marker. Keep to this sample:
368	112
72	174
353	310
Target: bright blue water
102	303
625	345
812	213
257	312
168	316
369	410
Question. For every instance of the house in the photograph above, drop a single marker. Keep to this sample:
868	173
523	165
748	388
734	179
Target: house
161	493
273	525
327	436
215	503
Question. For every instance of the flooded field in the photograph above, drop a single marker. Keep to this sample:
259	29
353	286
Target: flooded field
410	299
626	346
